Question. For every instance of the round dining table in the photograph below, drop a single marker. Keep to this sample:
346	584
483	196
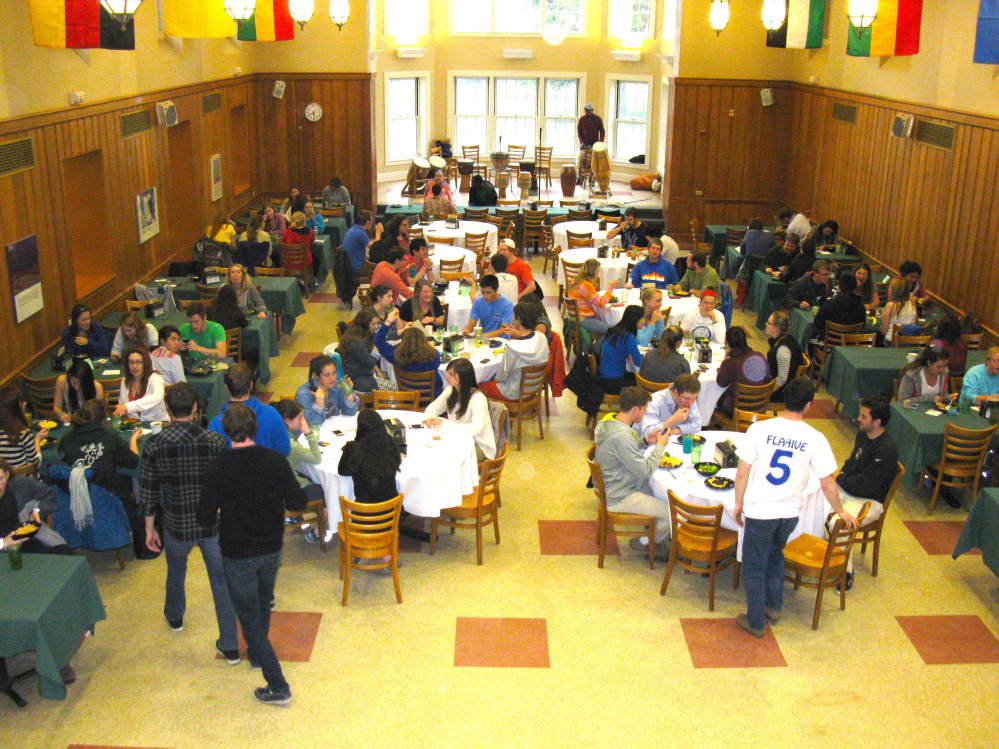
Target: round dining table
678	306
560	233
611	268
434	475
688	485
485	359
448	253
439	229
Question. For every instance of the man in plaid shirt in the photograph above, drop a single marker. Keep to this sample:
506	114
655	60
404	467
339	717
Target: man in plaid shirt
170	479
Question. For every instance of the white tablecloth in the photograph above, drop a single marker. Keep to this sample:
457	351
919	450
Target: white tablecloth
435	474
689	486
438	229
678	307
485	361
560	233
459	305
611	268
446	252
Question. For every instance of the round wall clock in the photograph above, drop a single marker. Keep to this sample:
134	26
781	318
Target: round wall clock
313	112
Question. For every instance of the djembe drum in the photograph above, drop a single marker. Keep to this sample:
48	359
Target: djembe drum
465	169
502	182
438	164
568	179
525	180
418	171
601	166
500	159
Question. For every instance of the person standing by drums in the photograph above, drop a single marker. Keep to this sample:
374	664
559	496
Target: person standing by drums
590	130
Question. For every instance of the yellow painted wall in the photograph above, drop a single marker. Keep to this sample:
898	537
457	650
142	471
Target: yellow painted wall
320	47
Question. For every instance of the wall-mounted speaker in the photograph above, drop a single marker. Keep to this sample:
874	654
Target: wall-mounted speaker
279	87
901	125
767	96
166	113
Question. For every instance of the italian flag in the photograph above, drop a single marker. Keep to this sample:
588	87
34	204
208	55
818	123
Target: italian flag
78	24
894	32
270	22
802	27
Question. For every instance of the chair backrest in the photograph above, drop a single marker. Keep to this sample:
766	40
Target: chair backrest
576	214
293	256
745	419
597	474
206	293
233	342
803	367
532	382
835	332
543	156
372	530
573	244
535	216
554	220
571	310
112	392
579	235
734	236
508	214
476	214
860	340
649	386
440	240
41	394
964	449
490	471
900	474
136	304
753	397
28	469
470	152
974	340
546	203
841	539
570	271
908	341
423	382
415	232
262	271
695	525
396	400
896	383
508	202
476	242
516	153
452	266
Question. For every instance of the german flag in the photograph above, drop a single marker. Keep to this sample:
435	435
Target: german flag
78	24
270	22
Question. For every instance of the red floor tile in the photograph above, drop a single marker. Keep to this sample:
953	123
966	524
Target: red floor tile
302	358
264	396
822	408
572	537
720	643
937	536
324	297
501	642
293	635
948	640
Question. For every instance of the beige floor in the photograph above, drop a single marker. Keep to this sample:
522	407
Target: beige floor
619	674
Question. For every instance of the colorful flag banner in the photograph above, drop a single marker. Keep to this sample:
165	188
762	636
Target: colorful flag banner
895	31
197	19
78	24
270	22
803	26
987	35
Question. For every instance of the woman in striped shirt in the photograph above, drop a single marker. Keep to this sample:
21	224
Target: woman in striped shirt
17	445
590	303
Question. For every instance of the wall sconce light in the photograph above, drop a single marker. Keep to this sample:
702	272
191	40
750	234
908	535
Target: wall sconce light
862	14
301	11
339	12
121	10
239	10
718	17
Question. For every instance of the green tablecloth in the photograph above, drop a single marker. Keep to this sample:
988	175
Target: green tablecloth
417	208
324	245
731	263
765	295
259	333
281	295
920	437
46	607
981	530
801	326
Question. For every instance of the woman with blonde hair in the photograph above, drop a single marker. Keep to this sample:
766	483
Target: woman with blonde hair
247	295
652	324
221	230
900	310
254	245
142	389
413	354
299	233
133	332
591	304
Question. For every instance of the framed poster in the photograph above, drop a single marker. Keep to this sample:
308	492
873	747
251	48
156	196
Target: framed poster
147	214
216	176
25	277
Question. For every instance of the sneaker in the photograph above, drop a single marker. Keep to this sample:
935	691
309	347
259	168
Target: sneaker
772	616
175	624
271	697
637	545
849	582
231	656
743	622
311	536
254	666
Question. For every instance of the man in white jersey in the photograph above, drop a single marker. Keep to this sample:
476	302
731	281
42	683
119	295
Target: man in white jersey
774	464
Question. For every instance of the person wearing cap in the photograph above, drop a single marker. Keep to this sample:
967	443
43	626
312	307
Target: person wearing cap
525	278
590	130
700	276
705	321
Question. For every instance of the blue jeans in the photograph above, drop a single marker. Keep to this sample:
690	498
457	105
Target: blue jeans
594	324
176	552
251	585
763	565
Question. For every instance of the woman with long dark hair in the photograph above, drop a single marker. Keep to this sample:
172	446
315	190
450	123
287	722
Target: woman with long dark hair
865	287
742	365
666	363
948	338
620	347
925	378
463	404
142	389
17	445
413	354
355	350
273	222
75	388
84	337
372	459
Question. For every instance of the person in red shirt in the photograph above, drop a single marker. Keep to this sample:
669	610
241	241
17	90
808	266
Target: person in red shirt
387	272
299	233
418	258
517	267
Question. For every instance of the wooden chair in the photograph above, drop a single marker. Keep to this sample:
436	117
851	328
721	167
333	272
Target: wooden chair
575	244
570	235
475	214
747	398
700	544
369	532
452	266
577	214
974	340
552	251
568	202
872	533
233	343
472	152
569	272
396	400
28	469
364	275
834	337
572	334
112	393
882	292
508	214
534	228
745	419
649	386
543	163
547	204
611	521
860	340
206	293
554	221
293	262
908	341
822	560
528	404
734	236
440	240
133	305
956	384
478	509
506	202
41	394
364	297
607	405
452	276
270	272
314	511
477	243
961	464
515	154
446	306
421	382
611	218
415	232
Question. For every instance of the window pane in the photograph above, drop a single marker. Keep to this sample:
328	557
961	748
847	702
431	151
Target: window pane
560	97
517	96
402	136
471	15
471	96
518	16
632	100
629	140
631	17
406	18
470	131
560	134
564	14
402	97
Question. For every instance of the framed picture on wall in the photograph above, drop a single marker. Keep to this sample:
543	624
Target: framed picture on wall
147	215
216	162
25	275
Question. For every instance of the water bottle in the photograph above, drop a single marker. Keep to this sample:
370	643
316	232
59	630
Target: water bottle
344	385
478	335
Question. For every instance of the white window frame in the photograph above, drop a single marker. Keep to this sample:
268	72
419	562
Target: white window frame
456	6
617	9
610	122
492	75
424	115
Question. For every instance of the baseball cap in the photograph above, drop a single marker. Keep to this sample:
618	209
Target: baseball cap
509	243
588	106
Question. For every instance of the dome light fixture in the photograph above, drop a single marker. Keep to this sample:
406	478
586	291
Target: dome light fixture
301	11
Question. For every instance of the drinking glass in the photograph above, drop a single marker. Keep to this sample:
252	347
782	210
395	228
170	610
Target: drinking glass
688	443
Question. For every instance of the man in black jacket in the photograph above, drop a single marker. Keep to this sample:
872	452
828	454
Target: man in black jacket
248	488
868	473
811	289
482	192
845	308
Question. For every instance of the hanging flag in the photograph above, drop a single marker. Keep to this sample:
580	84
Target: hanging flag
895	31
271	22
803	26
197	19
78	24
987	36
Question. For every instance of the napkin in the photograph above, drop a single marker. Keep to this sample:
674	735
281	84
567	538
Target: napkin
934	412
112	372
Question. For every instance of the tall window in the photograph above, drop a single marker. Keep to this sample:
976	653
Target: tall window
629	106
516	16
406	19
632	18
488	109
404	118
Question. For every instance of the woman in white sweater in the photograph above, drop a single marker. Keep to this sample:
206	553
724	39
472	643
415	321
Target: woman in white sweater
142	389
466	406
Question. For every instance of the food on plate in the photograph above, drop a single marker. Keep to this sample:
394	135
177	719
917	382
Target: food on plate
28	529
707	468
669	461
47	424
719	482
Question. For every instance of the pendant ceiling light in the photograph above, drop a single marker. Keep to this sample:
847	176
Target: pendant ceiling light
121	10
862	14
554	30
301	11
718	17
339	12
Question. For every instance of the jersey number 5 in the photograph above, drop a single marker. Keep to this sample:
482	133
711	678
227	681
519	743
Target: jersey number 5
783	470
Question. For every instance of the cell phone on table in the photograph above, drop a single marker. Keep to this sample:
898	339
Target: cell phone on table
416	426
338	433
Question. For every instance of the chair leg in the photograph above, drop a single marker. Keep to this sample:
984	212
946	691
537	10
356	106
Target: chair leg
736	569
842	591
818	605
541	425
520	422
669	570
496	526
341	547
936	493
601	540
121	559
433	536
478	541
347	567
652	546
711	585
395	574
874	556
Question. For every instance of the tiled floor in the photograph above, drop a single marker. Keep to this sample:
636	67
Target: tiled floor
948	640
573	537
293	635
501	642
719	643
937	536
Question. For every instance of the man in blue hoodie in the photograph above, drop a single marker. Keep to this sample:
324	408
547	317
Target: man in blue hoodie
271	431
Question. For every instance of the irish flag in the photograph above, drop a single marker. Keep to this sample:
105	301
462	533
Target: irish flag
802	27
987	35
78	24
895	31
270	22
